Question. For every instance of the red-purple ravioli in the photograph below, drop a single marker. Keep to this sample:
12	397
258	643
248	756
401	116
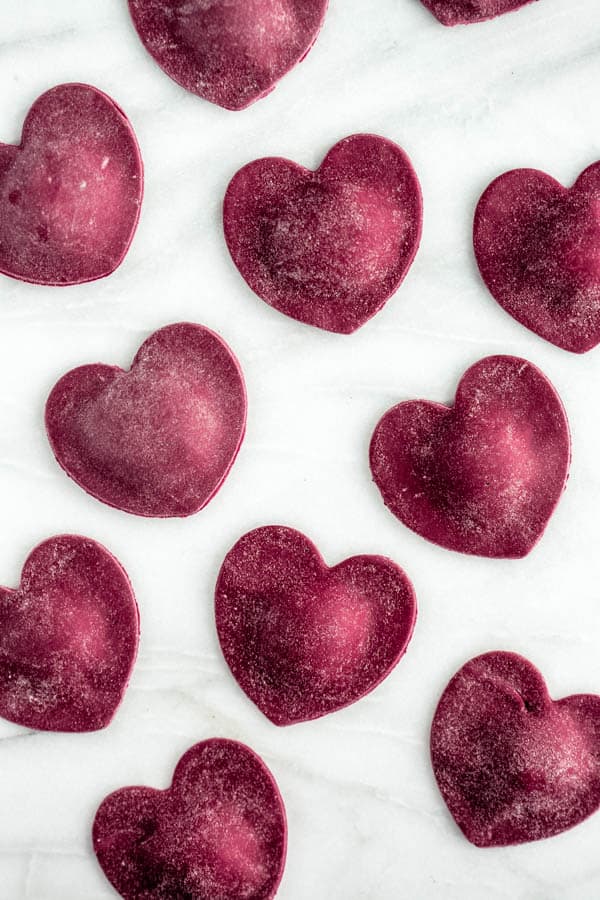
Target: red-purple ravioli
160	438
301	639
231	53
485	475
537	245
463	12
70	194
218	833
68	637
330	247
512	764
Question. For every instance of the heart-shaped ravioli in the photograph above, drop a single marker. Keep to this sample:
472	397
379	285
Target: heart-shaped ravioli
463	12
485	475
231	52
159	439
68	637
328	247
301	639
512	764
218	833
70	194
537	245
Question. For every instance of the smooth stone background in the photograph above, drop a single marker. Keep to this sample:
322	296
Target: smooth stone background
365	817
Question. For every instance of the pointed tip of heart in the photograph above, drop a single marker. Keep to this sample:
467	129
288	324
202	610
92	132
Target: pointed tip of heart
469	12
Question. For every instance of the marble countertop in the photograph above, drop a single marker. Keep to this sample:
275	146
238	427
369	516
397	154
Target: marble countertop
365	817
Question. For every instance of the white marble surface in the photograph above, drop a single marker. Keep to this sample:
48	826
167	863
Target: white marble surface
365	817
